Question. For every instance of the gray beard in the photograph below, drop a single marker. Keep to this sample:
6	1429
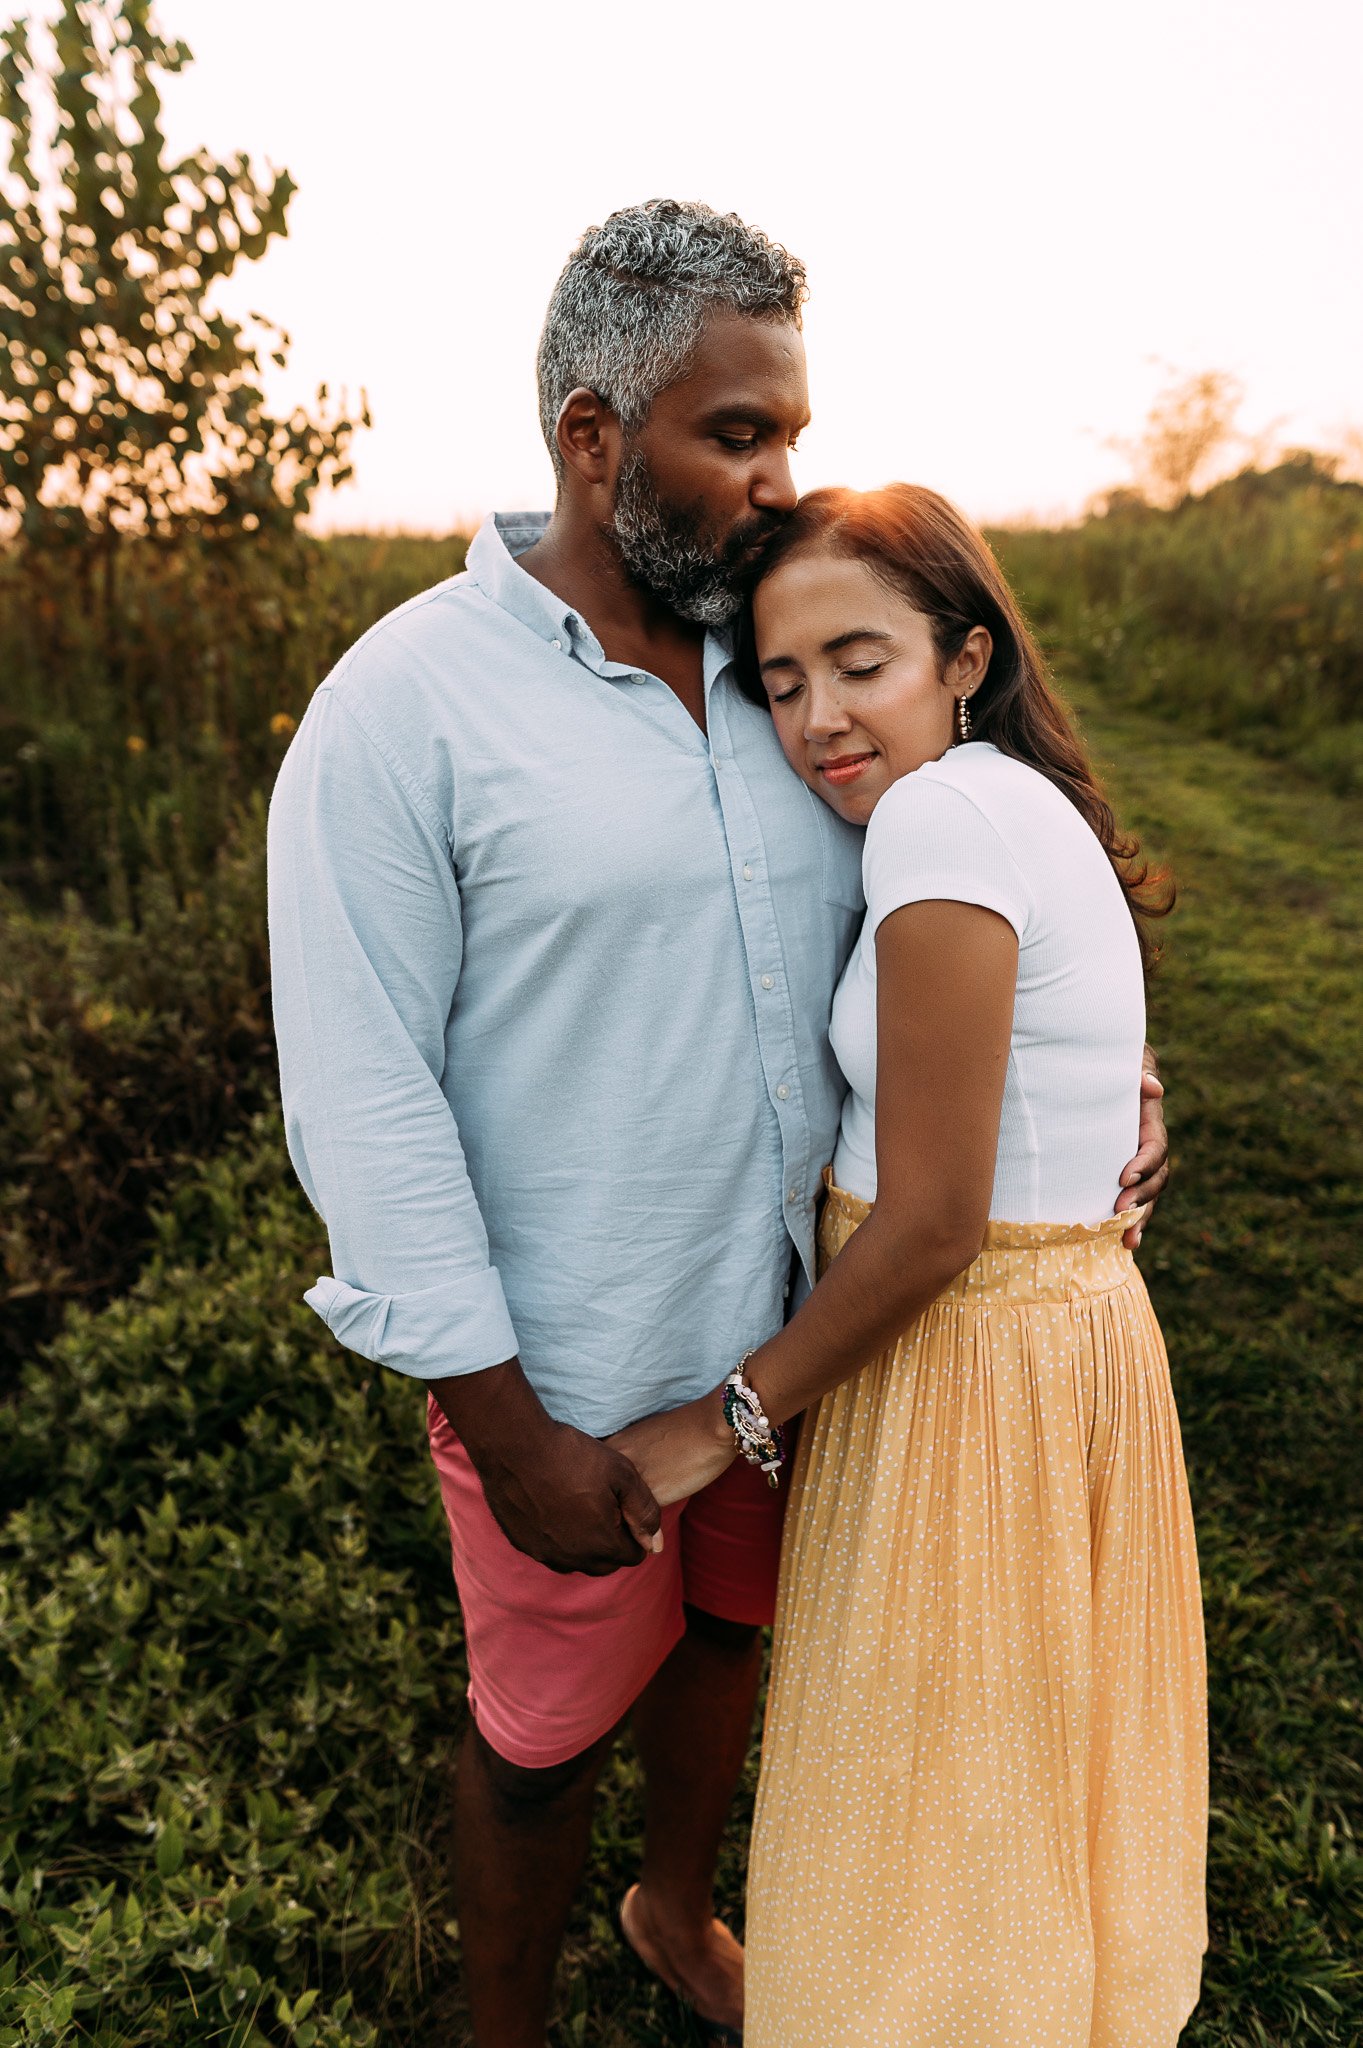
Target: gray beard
668	557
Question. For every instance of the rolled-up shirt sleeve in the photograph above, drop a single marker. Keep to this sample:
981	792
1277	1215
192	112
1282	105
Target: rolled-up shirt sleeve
365	950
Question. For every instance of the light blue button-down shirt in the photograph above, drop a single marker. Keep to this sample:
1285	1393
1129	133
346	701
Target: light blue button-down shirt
552	977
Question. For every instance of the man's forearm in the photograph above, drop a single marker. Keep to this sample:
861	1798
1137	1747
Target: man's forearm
494	1413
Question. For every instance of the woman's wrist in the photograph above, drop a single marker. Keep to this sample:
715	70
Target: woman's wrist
761	1441
756	1371
712	1419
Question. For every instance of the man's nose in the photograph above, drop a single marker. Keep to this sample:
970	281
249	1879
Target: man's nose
773	487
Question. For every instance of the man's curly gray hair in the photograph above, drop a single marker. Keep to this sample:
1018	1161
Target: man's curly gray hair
629	308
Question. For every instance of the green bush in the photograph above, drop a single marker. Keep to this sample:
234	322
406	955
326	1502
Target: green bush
127	1052
228	1654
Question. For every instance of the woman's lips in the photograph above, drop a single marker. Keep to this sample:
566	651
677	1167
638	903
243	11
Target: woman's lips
845	769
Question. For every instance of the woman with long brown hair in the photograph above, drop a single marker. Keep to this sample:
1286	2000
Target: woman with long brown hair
981	1821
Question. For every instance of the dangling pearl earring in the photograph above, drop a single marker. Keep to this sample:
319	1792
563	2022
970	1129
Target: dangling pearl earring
962	719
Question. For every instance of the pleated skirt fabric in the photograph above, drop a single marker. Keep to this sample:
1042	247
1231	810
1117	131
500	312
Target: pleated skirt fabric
982	1814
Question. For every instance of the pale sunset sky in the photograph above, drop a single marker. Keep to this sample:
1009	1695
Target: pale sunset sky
1014	216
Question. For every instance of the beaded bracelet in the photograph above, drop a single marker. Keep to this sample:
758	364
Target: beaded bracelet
761	1442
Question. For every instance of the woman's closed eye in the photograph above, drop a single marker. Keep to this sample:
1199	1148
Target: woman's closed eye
871	668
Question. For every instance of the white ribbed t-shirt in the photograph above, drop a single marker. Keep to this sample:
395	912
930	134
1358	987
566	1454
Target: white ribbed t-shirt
980	827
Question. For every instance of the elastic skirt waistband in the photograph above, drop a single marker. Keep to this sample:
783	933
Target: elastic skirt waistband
1023	1261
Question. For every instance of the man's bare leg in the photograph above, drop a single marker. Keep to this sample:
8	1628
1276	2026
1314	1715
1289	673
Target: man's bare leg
692	1727
520	1842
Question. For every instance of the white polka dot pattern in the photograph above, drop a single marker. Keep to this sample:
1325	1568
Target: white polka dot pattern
982	1815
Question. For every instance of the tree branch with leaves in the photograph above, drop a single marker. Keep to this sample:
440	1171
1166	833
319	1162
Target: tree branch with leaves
128	403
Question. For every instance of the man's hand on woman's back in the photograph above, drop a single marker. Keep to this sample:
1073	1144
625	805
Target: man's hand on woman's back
1145	1177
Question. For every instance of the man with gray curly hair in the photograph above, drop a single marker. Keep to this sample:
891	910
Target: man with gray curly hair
555	934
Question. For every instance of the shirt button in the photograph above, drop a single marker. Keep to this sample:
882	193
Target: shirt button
793	1195
557	646
785	1292
768	981
747	872
782	1092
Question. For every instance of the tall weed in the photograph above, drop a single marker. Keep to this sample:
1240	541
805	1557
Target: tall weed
138	743
1238	615
135	720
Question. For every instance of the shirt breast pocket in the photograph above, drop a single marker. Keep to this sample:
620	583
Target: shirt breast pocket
841	847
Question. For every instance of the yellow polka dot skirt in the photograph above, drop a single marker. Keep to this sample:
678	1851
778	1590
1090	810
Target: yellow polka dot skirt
982	1815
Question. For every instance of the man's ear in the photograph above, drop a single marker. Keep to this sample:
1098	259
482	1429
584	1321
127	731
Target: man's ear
588	436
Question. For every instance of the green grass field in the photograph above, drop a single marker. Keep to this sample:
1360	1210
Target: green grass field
230	1665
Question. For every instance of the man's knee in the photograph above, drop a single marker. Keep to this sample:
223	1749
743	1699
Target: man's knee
737	1637
524	1792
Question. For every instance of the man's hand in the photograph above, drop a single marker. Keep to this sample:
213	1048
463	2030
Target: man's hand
558	1495
573	1504
1146	1176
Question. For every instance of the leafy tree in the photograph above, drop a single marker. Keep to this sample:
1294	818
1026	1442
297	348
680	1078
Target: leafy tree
128	405
1189	429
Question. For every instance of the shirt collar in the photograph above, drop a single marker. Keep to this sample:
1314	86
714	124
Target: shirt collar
492	565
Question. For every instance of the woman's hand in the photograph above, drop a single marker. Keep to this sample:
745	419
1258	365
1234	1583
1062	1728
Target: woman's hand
678	1453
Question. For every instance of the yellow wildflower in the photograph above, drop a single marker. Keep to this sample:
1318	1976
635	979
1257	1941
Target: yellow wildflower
136	743
281	725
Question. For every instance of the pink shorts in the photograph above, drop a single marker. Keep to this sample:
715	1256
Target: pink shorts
557	1659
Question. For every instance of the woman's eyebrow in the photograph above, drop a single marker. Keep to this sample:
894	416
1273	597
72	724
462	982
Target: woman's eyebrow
842	640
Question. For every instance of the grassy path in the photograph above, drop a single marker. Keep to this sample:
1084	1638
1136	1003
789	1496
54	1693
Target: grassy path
1257	1270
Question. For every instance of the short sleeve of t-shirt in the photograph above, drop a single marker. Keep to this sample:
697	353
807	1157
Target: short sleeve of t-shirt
927	842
